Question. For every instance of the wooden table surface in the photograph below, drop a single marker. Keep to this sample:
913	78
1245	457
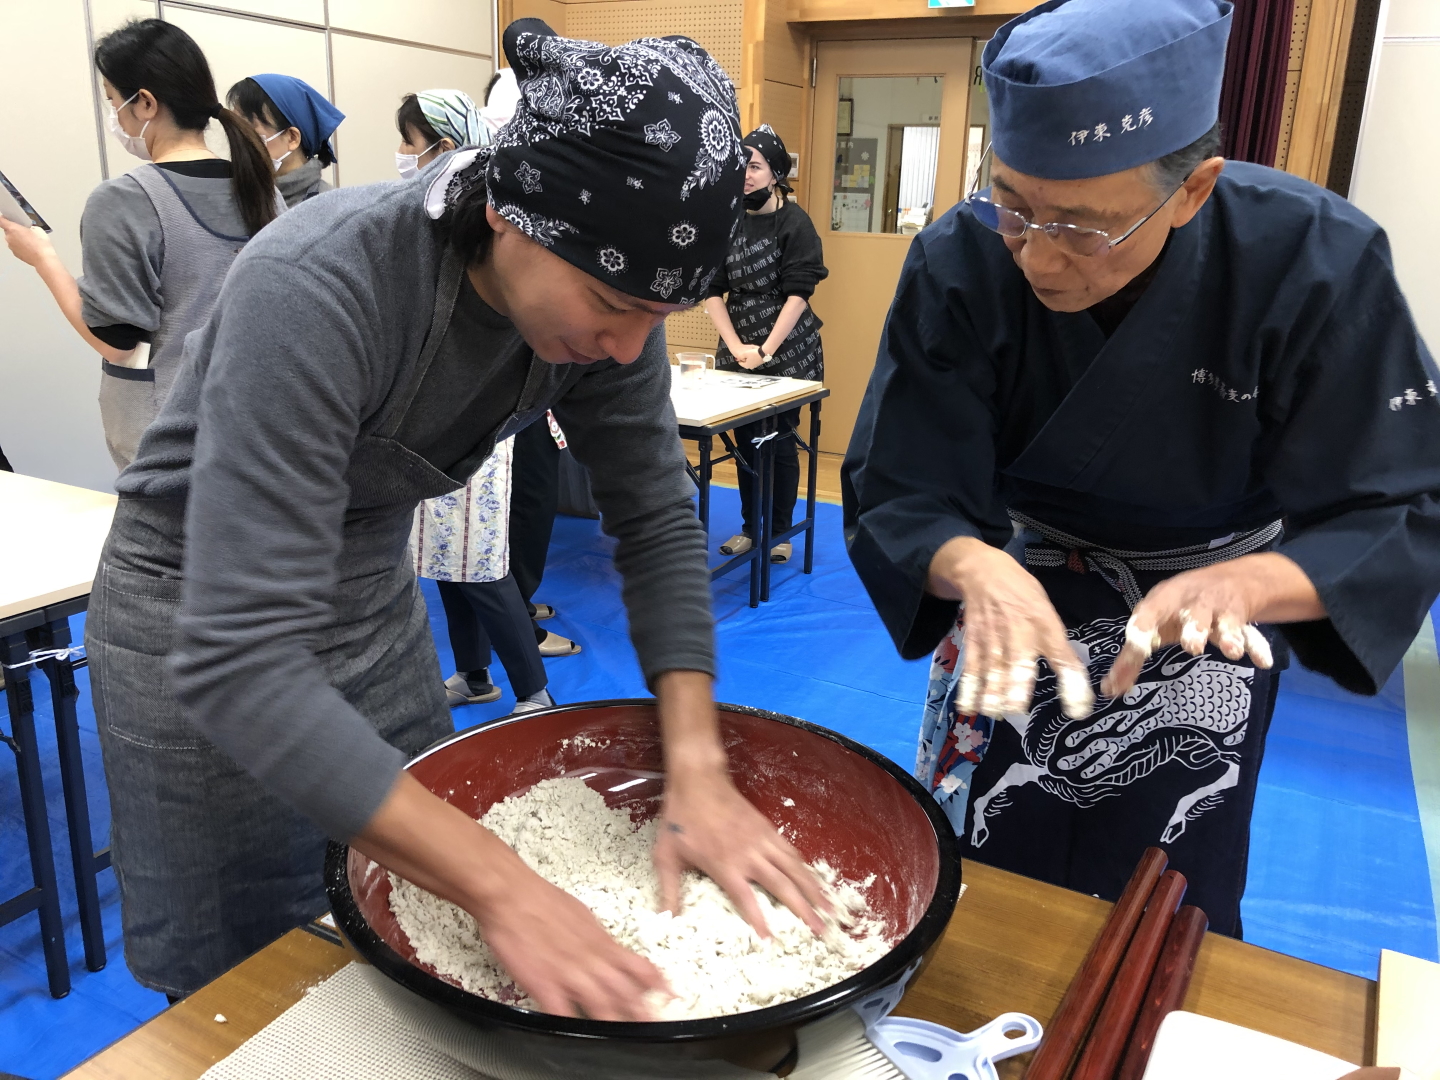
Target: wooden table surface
1013	945
50	542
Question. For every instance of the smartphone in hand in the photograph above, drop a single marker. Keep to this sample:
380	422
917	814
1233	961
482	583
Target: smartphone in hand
17	208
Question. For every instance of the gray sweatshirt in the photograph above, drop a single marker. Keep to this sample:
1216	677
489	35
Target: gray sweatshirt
276	433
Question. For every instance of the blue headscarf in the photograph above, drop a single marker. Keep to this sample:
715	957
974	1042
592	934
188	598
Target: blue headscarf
305	108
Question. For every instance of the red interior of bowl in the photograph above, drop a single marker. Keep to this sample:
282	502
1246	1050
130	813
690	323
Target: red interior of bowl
847	810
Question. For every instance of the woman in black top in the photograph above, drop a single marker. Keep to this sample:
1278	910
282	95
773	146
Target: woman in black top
766	323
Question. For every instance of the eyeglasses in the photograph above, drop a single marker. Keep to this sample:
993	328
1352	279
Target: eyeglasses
1075	239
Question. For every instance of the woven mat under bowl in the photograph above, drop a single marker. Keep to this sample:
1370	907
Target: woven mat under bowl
340	1030
357	1025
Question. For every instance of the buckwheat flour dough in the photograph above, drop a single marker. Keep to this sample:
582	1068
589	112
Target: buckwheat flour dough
714	961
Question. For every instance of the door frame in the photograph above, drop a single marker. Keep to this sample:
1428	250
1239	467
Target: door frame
948	57
850	299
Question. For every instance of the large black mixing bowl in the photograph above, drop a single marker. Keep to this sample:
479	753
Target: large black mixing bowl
835	800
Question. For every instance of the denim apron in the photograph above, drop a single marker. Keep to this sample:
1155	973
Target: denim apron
212	866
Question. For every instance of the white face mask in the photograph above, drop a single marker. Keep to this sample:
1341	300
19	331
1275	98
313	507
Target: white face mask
276	161
409	164
135	144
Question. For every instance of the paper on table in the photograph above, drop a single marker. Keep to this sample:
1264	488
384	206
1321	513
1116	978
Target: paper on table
1193	1047
1406	1033
714	395
748	382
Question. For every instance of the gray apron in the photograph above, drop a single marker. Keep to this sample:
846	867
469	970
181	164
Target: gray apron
195	262
212	866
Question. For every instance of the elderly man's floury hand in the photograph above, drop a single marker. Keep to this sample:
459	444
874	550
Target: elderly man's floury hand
1009	625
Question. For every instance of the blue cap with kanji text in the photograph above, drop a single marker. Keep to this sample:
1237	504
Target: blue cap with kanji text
1082	88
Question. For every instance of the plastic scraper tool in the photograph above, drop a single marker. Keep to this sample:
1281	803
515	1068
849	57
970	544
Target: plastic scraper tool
899	1048
925	1051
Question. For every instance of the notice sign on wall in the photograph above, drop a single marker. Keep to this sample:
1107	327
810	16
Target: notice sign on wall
952	3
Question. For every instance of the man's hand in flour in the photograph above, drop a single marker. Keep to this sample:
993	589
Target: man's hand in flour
1009	625
562	957
1216	605
548	941
705	822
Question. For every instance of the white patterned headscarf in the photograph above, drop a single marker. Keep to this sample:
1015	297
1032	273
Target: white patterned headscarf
453	116
625	161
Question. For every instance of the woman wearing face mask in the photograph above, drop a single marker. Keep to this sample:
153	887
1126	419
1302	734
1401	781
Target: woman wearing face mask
434	122
766	323
156	242
260	653
295	122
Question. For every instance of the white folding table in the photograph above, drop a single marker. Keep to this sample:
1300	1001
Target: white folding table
50	544
712	403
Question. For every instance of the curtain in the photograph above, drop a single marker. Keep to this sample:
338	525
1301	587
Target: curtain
919	156
1252	98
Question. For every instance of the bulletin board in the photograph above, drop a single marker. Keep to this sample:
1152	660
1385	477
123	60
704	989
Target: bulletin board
853	199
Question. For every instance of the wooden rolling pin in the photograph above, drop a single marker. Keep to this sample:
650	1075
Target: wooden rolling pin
1167	988
1066	1030
1107	1041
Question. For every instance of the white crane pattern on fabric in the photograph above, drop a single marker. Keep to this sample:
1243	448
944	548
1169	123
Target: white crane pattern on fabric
1190	709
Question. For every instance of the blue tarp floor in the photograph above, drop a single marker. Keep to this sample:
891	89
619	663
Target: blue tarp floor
1338	865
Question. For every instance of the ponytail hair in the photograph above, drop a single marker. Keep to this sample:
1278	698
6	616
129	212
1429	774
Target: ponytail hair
252	176
149	54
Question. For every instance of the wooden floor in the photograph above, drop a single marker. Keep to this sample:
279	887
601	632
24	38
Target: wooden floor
827	473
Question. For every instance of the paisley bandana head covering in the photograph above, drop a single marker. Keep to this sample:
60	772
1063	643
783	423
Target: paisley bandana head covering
772	150
625	161
453	116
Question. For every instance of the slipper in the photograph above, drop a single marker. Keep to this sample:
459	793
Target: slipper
781	552
541	699
737	545
543	611
458	691
555	645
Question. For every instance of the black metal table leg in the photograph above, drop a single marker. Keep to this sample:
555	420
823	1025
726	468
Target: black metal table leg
813	473
758	550
83	857
766	508
705	471
45	896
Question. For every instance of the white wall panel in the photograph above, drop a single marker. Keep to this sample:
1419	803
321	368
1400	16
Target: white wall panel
106	15
49	419
307	11
453	24
238	47
1397	157
1413	18
370	79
